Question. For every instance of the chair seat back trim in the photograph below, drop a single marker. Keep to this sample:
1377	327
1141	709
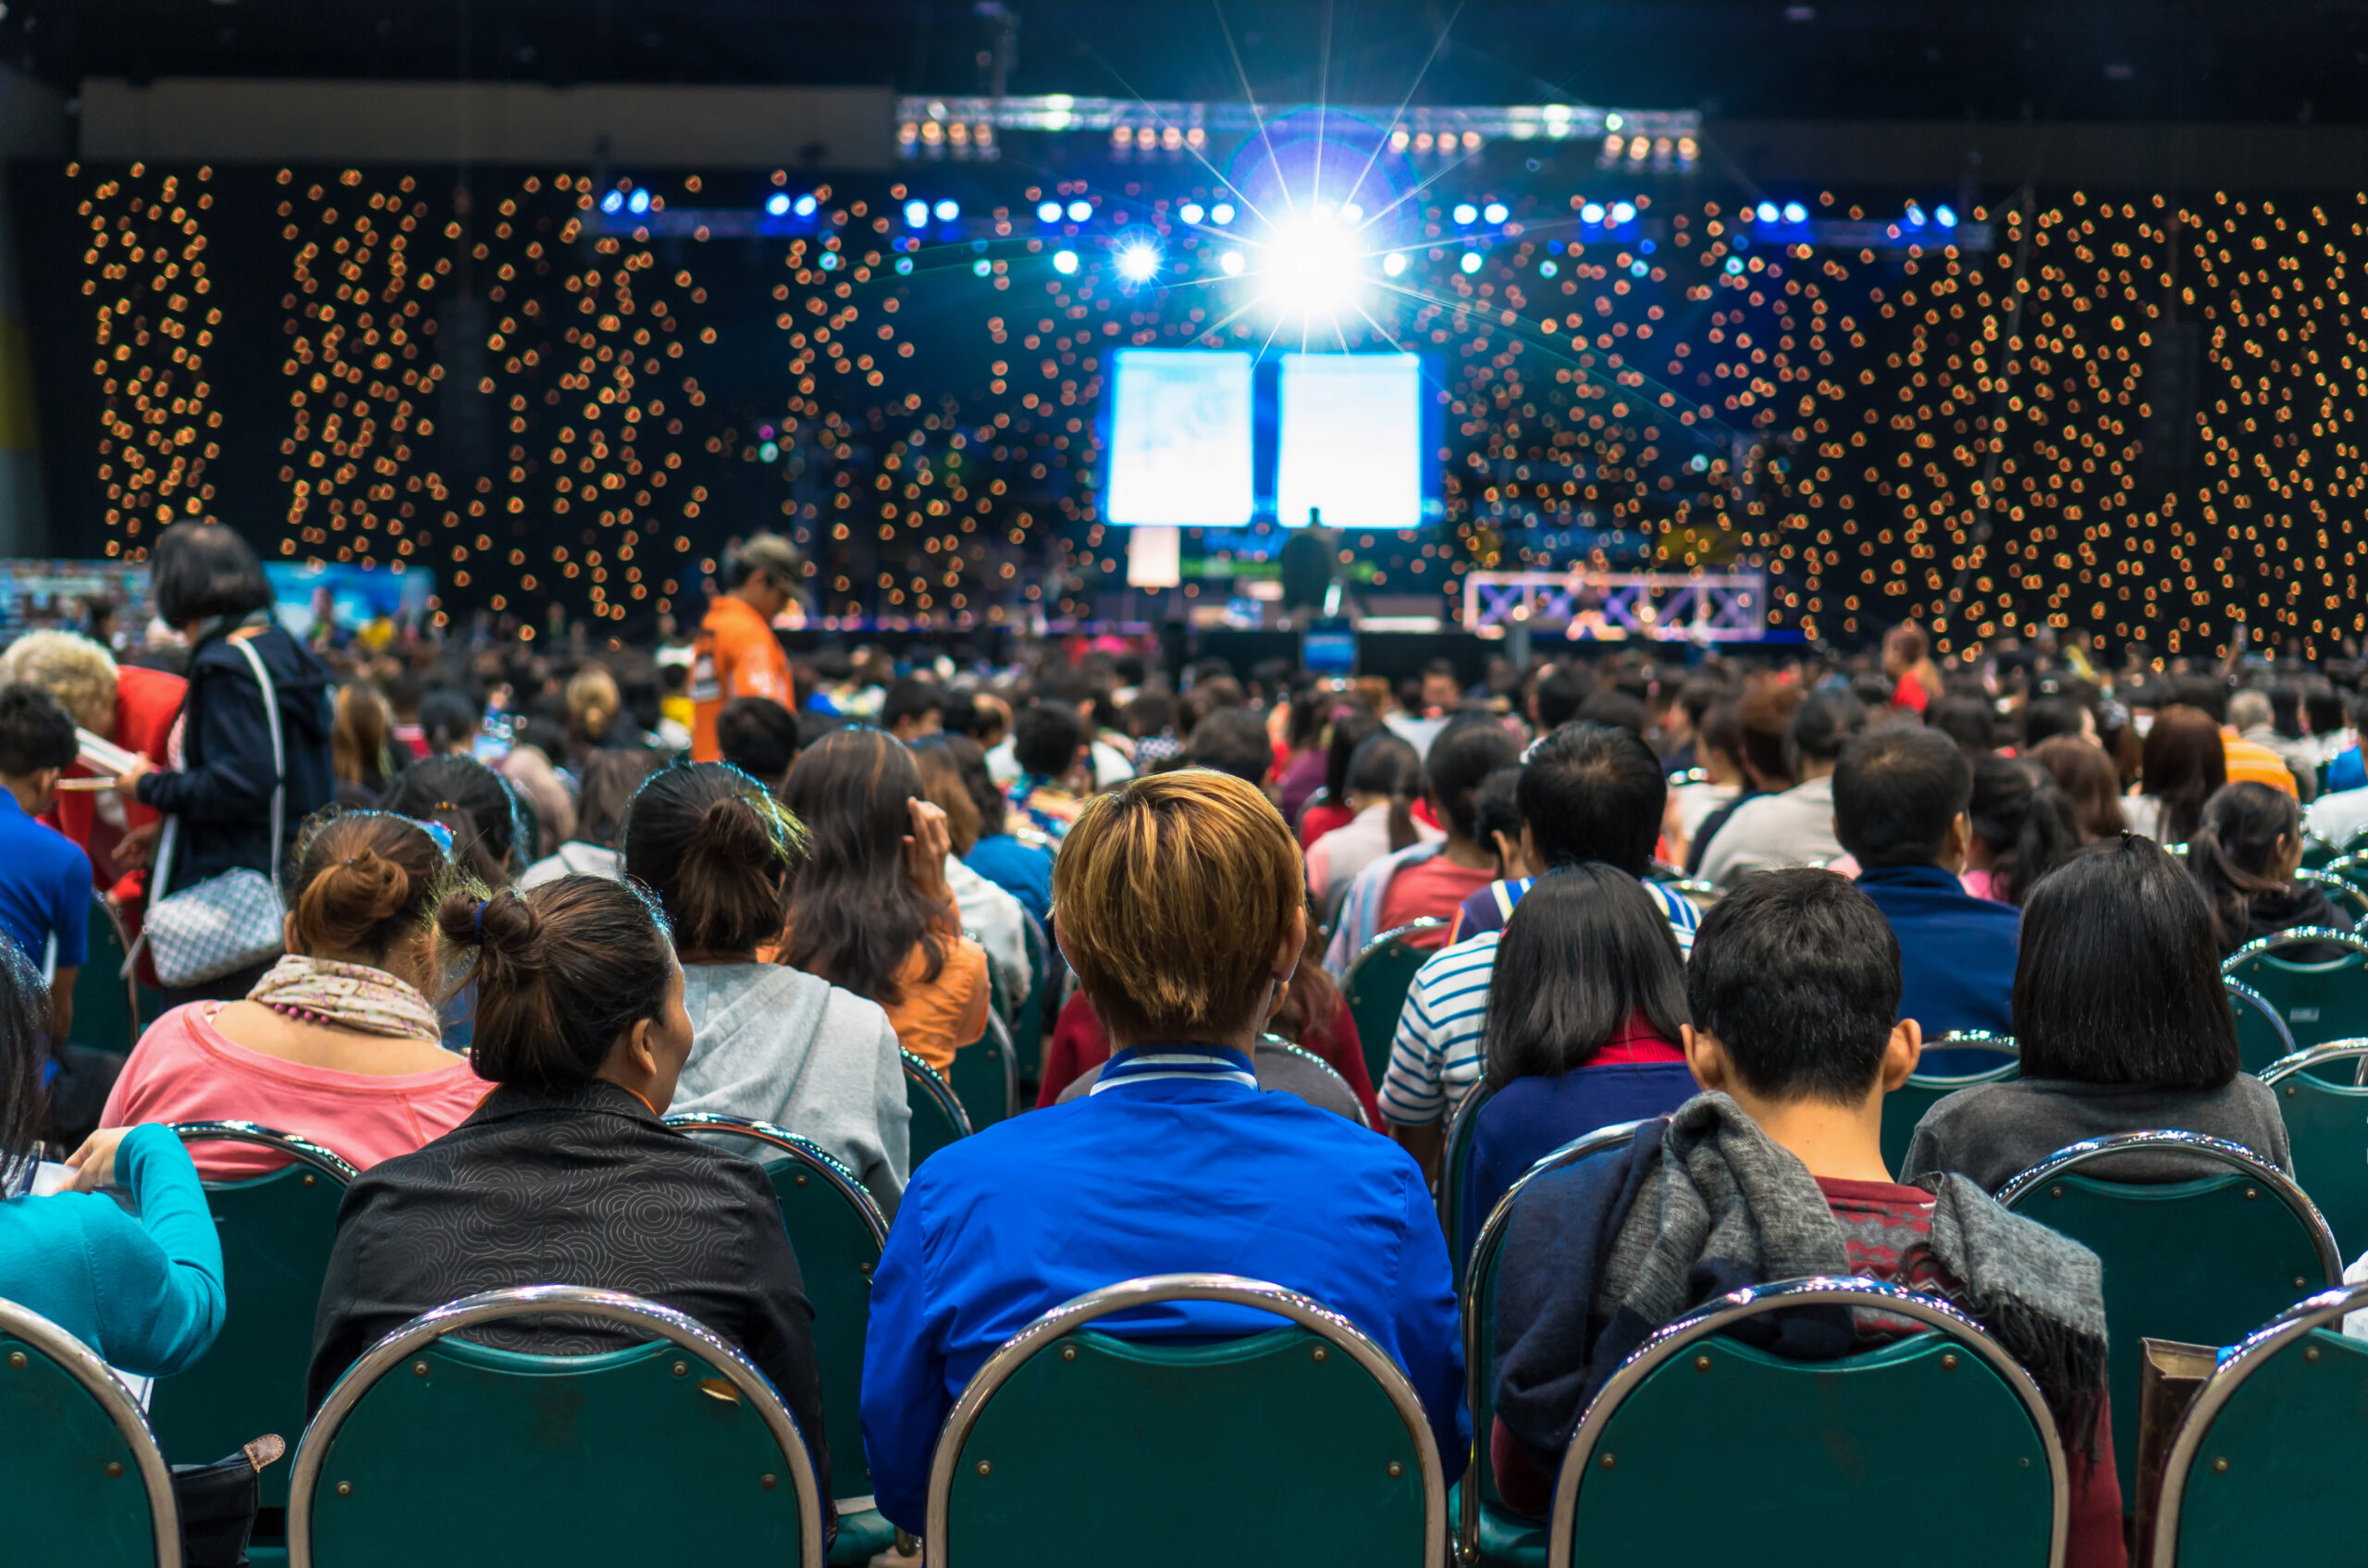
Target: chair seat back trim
83	1363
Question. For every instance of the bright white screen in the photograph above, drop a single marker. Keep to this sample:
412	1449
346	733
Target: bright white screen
1179	439
1351	441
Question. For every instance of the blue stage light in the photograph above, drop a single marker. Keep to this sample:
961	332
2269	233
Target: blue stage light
1466	213
777	204
1915	216
1640	268
1768	212
1191	212
1471	261
830	261
948	211
1734	265
982	268
1222	213
1048	212
1063	262
1138	261
1796	213
904	266
1496	212
1623	212
613	200
916	214
638	202
1547	270
804	206
1591	213
1947	216
1080	211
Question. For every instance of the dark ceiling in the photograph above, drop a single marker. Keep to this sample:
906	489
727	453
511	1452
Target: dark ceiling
2209	61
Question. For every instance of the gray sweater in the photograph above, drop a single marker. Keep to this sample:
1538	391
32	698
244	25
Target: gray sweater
777	1044
1994	1133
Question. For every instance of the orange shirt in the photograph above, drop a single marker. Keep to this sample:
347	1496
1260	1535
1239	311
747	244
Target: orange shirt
736	654
2252	762
938	1018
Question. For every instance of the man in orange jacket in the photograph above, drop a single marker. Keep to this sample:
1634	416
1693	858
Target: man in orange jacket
735	653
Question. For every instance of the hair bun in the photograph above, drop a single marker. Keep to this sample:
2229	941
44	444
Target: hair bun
504	923
369	884
732	831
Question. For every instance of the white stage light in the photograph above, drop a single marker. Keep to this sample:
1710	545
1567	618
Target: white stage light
916	214
1796	213
1592	212
1465	213
1080	211
1065	261
1768	212
1191	212
803	206
1471	261
1222	213
1394	264
1947	217
948	211
1311	267
638	202
1623	212
1351	213
1139	263
612	201
1496	212
1048	212
1231	262
777	204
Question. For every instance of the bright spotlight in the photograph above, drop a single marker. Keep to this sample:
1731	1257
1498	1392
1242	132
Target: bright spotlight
1547	270
1796	213
916	214
1592	212
1394	264
1231	262
1351	213
1471	261
1946	217
612	201
1191	212
1048	212
803	206
1139	263
1915	216
1768	212
1222	213
1311	267
1496	212
1466	213
1065	261
1080	211
638	202
982	268
948	211
1623	212
778	204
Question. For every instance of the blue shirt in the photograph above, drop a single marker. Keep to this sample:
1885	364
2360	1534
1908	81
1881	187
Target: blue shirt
1531	1118
45	888
1024	870
1176	1163
1956	952
2347	771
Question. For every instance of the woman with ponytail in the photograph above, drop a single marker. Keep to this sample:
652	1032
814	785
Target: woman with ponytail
338	1042
1383	780
767	1042
2023	828
2243	854
567	1175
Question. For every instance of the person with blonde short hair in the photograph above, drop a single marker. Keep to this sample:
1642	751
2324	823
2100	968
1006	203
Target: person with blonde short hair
1178	900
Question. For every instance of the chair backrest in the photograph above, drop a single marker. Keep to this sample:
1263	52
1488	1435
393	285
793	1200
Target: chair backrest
1990	1058
1376	984
2265	1466
2325	1111
431	1449
84	1482
107	1001
2201	1261
276	1232
1309	1060
2261	1035
1480	1514
1803	1444
1069	1444
2318	853
2353	868
938	1117
837	1232
2342	892
985	1077
1702	895
1028	1037
1455	1164
2320	993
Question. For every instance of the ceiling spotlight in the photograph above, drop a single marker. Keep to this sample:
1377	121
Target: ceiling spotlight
1623	212
1138	261
1394	264
1222	213
1311	267
1465	213
1796	213
1351	213
612	201
803	206
1231	262
1768	212
1471	261
1915	216
1191	212
948	211
983	268
916	214
1080	210
1065	261
1946	217
1592	212
1048	212
638	202
778	204
1496	212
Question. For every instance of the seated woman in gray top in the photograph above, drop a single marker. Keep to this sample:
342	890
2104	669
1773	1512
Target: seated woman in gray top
769	1043
2123	1028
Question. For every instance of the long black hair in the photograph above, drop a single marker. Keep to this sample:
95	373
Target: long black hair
24	1023
2024	821
2119	980
1386	764
1586	948
854	913
1351	725
2233	852
475	804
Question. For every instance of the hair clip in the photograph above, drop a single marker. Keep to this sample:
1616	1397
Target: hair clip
477	923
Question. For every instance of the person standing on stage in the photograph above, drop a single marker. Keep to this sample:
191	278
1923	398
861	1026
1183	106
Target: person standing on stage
736	653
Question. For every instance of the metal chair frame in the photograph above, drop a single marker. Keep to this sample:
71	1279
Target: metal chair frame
1451	1156
679	1329
934	1085
1412	928
2340	892
2293	936
128	978
1128	1295
2324	1310
1292	1048
300	1150
83	1363
2239	992
1738	1305
2286	1066
805	1151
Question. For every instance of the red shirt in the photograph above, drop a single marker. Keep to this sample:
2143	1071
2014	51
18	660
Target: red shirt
1321	818
1078	1044
147	704
1435	889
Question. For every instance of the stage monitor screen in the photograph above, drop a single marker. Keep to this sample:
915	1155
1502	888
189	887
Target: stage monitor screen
1351	438
1180	438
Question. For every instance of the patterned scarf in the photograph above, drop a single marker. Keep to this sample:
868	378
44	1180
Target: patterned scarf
352	996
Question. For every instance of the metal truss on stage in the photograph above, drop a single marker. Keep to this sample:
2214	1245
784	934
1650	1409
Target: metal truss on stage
1659	606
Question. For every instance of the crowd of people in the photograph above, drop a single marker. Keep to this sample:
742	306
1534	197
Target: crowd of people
536	898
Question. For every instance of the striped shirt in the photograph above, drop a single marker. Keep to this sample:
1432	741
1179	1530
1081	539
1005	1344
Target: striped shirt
1434	1057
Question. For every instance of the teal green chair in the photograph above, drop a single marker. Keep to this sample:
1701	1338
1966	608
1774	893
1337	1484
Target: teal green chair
1454	1165
2322	999
2342	892
2201	1261
275	1231
2352	868
2318	853
432	1449
837	1232
1801	1446
1027	1038
1487	1532
1906	1106
2325	1111
2265	1466
938	1117
2261	1035
1075	1449
107	1006
84	1483
1376	984
985	1077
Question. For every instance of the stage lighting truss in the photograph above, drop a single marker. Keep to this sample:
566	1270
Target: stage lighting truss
1616	606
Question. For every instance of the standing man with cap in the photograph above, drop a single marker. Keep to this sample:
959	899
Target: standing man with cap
735	653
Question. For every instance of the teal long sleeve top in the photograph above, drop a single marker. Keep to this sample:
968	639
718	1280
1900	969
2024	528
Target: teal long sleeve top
145	1292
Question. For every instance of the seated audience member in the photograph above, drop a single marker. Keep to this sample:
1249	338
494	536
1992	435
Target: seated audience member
475	805
1776	1172
44	880
143	1287
1965	719
546	793
2244	855
1763	718
133	707
339	1043
2088	780
1496	822
611	779
1180	904
1587	795
1021	867
1426	880
565	1174
1280	1068
1382	781
993	917
1232	740
758	737
1908	660
1717	751
1334	806
1585	1005
912	709
869	905
767	1042
2245	761
1300	773
1048	744
449	720
1794	828
2046	718
2184	766
362	730
2122	1025
1899	806
2021	827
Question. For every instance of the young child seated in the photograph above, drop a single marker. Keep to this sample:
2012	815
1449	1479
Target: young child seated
1776	1172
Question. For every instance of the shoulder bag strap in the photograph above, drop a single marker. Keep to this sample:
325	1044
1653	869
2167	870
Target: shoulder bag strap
278	756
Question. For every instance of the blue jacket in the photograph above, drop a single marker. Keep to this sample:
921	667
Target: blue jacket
1178	1165
1956	952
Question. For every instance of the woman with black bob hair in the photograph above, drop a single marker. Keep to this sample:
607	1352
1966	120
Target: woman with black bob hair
2244	855
210	589
565	1174
1584	1008
767	1042
2123	1028
2023	828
